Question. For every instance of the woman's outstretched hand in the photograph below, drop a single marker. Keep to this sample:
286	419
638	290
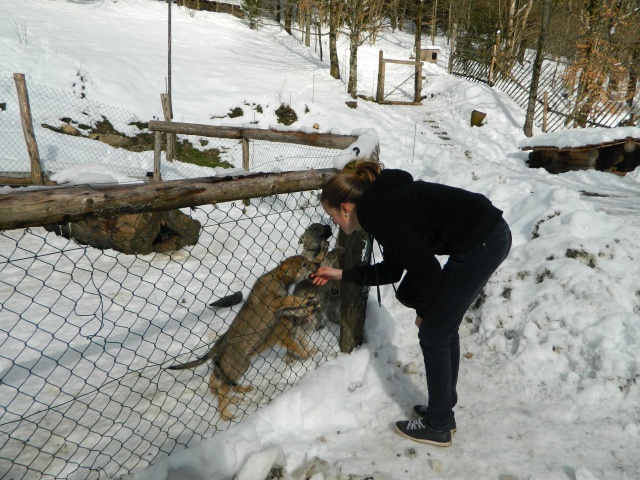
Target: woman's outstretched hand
324	274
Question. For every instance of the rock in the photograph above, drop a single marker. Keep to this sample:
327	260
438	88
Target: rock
69	130
117	141
135	233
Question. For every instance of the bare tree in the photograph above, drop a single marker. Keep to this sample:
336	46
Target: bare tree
363	17
335	14
537	66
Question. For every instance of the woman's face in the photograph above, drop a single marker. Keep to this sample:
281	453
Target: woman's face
344	216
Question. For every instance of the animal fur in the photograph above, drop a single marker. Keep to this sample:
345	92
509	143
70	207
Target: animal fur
252	329
292	331
315	240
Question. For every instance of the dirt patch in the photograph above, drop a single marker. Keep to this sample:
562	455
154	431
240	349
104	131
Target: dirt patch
144	141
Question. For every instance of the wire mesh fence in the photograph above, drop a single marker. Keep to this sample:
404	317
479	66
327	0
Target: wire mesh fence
92	313
87	334
72	131
561	105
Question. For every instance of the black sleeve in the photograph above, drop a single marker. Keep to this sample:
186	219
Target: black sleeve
404	249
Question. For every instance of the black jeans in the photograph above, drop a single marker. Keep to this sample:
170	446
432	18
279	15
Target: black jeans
463	277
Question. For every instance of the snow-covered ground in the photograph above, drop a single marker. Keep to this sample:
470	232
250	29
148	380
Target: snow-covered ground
551	359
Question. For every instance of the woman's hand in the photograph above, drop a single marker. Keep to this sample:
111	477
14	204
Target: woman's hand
324	274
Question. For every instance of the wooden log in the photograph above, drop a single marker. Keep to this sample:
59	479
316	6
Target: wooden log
27	128
550	154
300	138
590	155
581	158
22	180
64	204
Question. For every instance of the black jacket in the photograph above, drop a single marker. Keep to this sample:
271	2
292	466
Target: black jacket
414	221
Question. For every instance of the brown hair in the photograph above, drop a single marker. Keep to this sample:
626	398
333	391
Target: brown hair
349	184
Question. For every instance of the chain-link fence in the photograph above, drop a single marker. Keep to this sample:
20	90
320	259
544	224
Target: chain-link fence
87	334
72	130
560	108
92	313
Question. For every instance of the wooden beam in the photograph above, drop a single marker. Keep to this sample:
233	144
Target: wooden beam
312	139
20	180
27	128
402	62
71	203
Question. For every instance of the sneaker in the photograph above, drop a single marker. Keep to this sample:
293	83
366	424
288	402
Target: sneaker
418	431
420	411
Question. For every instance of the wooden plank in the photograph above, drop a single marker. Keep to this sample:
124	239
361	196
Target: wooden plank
64	204
27	128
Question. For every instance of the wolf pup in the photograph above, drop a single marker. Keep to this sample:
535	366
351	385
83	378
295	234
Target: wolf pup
292	331
254	324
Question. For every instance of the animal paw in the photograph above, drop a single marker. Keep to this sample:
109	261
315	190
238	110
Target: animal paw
310	300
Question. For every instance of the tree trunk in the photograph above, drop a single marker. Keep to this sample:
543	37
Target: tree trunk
537	67
307	27
632	84
352	86
418	41
334	19
433	22
288	14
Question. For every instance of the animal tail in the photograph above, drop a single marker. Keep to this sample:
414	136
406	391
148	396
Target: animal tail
194	363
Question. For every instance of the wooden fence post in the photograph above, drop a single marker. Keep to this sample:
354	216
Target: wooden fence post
245	153
417	96
493	59
380	91
168	116
157	155
545	109
27	128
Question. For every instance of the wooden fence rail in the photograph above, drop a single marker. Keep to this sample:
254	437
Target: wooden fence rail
62	204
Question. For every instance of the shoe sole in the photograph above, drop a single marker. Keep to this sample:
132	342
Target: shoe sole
420	440
416	416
